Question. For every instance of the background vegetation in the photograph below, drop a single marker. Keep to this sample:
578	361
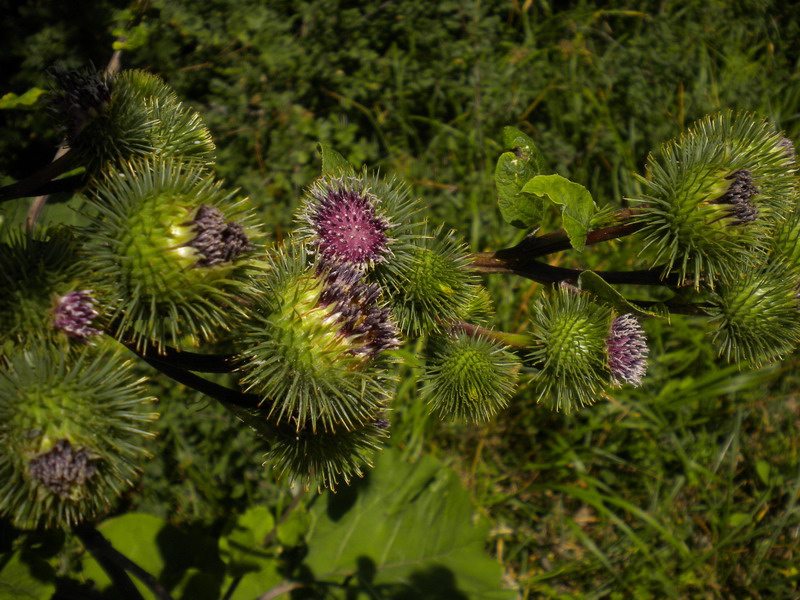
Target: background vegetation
686	487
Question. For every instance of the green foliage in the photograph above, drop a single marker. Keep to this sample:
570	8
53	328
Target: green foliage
577	205
604	503
406	531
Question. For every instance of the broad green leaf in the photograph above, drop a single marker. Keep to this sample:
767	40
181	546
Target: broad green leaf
26	100
510	175
599	287
405	528
577	205
240	545
334	163
25	578
185	562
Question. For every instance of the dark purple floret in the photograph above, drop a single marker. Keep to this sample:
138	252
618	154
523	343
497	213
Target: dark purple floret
216	240
355	304
62	468
80	94
627	351
381	423
739	197
74	314
347	227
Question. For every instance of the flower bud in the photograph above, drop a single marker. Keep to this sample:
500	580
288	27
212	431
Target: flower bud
469	378
570	349
172	251
117	118
757	315
313	344
72	436
715	195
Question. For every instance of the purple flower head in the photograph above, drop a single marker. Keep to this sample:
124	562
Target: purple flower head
627	351
354	303
216	240
739	197
74	314
61	468
347	227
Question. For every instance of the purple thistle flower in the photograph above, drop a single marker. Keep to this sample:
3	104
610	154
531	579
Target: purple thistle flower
216	240
74	314
627	351
347	226
354	303
739	197
62	468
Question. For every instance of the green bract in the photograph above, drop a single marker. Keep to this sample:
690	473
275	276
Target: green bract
308	347
569	349
170	250
71	434
757	314
469	378
714	194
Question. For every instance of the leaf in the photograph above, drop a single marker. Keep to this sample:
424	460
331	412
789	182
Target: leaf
514	169
26	100
25	578
510	175
577	205
334	163
599	287
161	550
524	147
240	546
404	528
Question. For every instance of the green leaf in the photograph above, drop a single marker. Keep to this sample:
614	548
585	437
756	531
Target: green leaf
599	287
186	562
523	146
293	529
763	471
404	528
25	578
26	100
577	205
510	175
514	169
240	546
252	568
334	163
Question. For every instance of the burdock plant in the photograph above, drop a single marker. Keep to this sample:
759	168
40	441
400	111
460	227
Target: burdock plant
317	327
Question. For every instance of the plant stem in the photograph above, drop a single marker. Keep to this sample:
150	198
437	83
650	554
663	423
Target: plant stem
209	388
491	262
187	361
117	565
31	185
